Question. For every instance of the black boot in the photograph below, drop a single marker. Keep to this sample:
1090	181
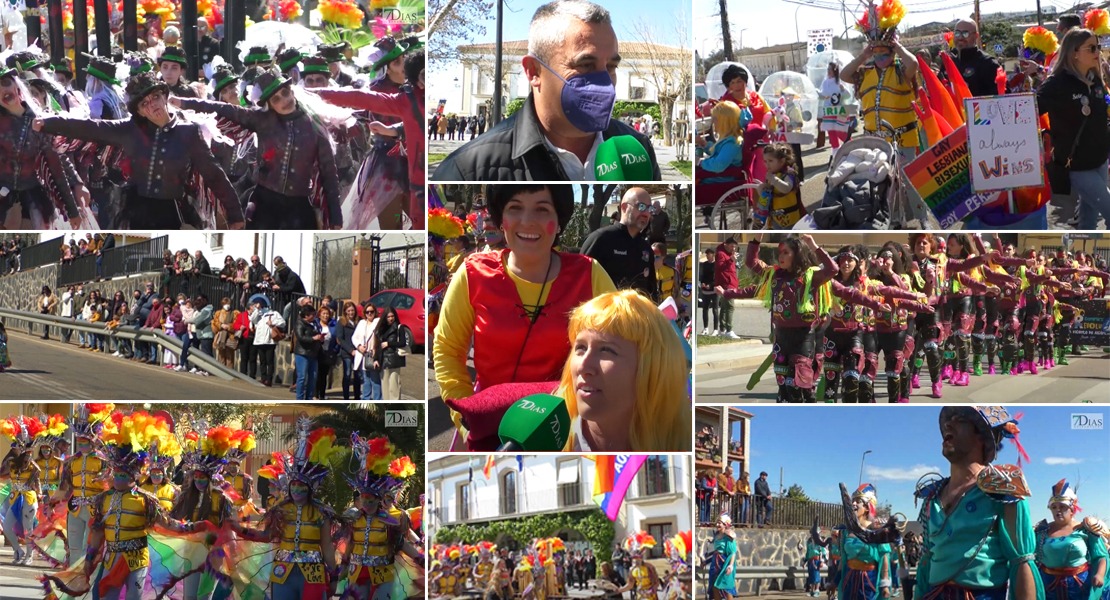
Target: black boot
893	387
851	390
866	391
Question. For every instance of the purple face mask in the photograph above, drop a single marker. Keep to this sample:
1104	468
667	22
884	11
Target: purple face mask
883	60
587	99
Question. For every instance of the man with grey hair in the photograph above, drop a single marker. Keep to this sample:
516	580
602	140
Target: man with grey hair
978	69
571	67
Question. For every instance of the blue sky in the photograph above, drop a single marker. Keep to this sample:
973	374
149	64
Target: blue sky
905	444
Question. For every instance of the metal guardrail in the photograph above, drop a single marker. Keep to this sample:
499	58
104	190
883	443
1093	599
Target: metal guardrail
779	572
197	359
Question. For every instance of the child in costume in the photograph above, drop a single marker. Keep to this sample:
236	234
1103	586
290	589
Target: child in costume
781	193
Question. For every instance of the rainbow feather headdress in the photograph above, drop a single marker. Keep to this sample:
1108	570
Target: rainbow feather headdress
1064	493
310	460
219	446
54	427
879	23
89	419
636	543
22	429
677	549
1098	21
130	439
380	470
1039	43
162	453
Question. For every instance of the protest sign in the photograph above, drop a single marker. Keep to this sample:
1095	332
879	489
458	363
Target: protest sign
1004	142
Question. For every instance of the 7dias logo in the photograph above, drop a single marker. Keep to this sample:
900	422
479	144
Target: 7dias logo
532	407
400	418
1086	420
634	159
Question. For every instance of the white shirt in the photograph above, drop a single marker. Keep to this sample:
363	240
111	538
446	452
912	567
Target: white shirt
581	444
363	336
574	168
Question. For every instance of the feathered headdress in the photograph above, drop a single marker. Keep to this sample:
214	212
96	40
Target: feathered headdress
1098	21
310	460
89	419
879	23
486	548
678	550
194	445
993	422
22	429
635	543
1039	43
866	494
163	451
1064	493
131	438
53	428
442	225
380	470
242	443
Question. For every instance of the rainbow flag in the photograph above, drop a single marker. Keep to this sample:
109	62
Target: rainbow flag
488	468
612	476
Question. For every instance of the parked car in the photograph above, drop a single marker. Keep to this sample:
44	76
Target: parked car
410	305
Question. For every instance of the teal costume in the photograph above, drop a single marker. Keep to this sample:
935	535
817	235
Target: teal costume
864	568
1068	563
721	571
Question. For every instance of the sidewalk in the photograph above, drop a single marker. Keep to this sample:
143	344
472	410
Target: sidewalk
745	353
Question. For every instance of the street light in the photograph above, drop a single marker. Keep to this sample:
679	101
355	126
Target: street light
863	458
797	35
741	52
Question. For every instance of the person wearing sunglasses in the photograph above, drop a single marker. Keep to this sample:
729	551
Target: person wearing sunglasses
978	69
294	150
622	249
1074	96
883	75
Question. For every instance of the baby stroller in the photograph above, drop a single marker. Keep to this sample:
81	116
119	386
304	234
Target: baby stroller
863	186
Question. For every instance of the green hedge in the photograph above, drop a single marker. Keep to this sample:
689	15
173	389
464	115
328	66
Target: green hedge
592	524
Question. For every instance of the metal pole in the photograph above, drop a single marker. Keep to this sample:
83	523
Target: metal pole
1040	18
57	36
862	458
235	31
103	28
189	38
130	25
31	20
978	27
497	55
80	42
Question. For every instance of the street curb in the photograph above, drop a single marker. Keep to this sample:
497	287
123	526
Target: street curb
746	362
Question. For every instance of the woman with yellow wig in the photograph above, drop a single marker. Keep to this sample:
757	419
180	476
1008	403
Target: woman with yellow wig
625	379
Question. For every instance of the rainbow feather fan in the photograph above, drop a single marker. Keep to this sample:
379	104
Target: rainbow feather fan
1098	21
56	425
443	224
22	428
891	13
1042	40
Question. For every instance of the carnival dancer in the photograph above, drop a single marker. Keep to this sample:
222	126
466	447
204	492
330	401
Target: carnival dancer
159	471
1010	303
19	467
815	555
892	326
528	576
50	466
34	65
930	263
288	62
1036	281
851	314
382	183
958	314
315	73
304	565
832	580
172	65
483	570
988	310
163	150
865	570
106	102
883	75
795	291
377	531
122	517
295	148
643	580
1071	555
1038	44
408	105
258	56
990	555
83	475
24	150
333	53
238	481
500	585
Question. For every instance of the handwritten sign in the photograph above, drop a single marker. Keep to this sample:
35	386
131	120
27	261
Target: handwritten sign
940	175
820	40
1004	141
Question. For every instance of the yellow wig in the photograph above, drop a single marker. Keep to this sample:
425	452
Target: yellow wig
726	119
661	418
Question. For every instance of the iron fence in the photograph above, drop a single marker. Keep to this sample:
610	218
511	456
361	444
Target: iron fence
751	511
398	268
216	289
43	253
140	257
333	266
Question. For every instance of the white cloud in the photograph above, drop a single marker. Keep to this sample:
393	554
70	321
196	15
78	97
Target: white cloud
899	473
1061	460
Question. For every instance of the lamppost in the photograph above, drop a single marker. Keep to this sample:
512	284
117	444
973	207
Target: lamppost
863	458
741	52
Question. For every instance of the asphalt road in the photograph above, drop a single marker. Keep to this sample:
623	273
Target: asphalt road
48	370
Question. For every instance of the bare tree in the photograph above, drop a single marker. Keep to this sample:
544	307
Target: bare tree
454	22
667	66
726	34
602	193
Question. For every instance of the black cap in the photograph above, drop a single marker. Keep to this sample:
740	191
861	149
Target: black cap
1068	22
173	54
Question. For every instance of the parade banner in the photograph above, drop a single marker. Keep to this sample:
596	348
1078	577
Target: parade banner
1004	142
612	476
1094	328
940	175
820	40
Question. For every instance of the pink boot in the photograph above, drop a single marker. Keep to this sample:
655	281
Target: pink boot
959	378
903	401
915	382
946	372
1040	362
1022	366
991	371
936	389
1032	367
966	379
1049	364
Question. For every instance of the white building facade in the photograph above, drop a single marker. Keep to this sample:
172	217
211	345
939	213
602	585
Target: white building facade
658	501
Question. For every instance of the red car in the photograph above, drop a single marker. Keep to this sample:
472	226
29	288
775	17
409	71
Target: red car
410	305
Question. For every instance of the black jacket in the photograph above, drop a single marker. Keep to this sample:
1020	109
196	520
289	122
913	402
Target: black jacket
397	339
1061	96
978	69
202	267
288	281
303	342
762	489
514	150
628	260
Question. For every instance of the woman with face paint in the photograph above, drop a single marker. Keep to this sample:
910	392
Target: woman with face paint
1071	556
795	291
83	475
892	326
24	475
957	311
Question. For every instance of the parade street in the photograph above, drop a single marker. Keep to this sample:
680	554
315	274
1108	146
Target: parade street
49	370
19	581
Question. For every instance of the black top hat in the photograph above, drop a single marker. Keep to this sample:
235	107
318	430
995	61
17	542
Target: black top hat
62	66
257	55
26	60
174	54
101	68
332	52
223	77
139	62
316	64
267	84
288	58
7	72
1068	22
392	49
140	86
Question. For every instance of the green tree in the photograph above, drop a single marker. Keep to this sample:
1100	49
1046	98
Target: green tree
592	524
514	105
1000	33
393	279
246	416
795	492
455	23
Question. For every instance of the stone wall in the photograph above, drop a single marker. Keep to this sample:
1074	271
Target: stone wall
762	547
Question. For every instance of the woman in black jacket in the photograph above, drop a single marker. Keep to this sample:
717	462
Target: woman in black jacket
395	343
707	296
308	339
1074	97
352	378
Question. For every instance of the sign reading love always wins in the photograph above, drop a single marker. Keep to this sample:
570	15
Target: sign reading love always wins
1004	142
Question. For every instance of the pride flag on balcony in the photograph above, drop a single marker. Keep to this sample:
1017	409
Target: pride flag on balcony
612	476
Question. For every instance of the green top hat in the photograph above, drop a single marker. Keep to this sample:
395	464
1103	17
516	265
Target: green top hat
288	58
62	66
6	72
26	60
316	64
269	82
140	86
174	54
332	52
101	68
258	55
394	49
223	77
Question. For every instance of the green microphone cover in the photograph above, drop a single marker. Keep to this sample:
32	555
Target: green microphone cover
538	423
607	162
635	162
